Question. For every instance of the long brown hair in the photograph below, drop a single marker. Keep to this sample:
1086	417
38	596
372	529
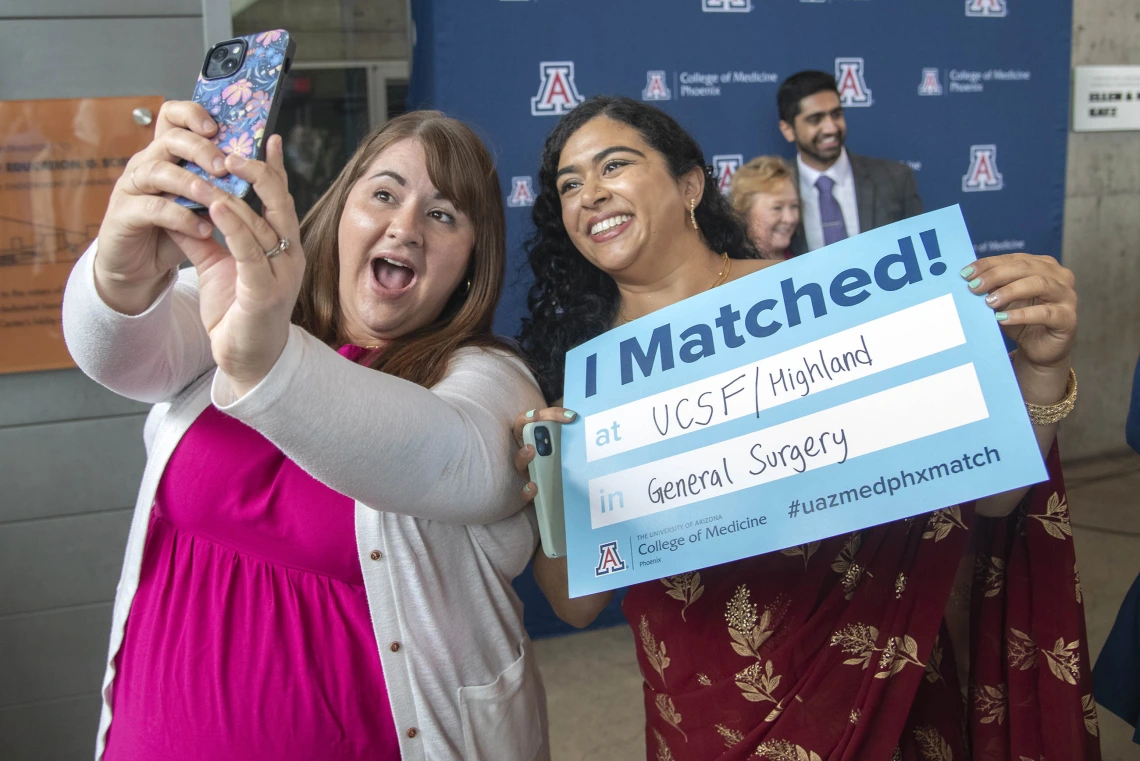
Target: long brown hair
462	170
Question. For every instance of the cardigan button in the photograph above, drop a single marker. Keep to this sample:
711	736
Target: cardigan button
375	555
413	732
395	647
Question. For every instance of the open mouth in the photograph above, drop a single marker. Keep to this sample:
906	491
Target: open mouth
610	227
391	275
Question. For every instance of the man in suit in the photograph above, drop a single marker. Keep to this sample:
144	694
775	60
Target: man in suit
841	194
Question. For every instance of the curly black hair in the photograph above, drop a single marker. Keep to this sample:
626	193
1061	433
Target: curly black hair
571	300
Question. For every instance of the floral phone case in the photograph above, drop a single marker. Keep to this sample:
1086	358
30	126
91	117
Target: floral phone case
243	103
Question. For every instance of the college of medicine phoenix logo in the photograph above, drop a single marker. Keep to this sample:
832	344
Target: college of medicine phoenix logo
557	94
609	561
726	6
655	87
522	192
853	90
986	8
983	173
724	167
931	83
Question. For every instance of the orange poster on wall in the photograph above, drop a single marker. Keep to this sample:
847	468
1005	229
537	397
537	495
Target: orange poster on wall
59	160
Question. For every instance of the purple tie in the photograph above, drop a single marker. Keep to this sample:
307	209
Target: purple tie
830	214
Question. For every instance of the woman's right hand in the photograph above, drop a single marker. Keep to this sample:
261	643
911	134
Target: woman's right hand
144	232
526	452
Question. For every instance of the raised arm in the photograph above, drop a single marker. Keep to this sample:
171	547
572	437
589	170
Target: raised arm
443	453
150	356
130	321
1035	302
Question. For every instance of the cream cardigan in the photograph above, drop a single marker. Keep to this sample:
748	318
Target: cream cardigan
440	525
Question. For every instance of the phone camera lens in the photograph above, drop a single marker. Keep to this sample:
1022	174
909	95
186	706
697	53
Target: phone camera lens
219	55
229	65
542	441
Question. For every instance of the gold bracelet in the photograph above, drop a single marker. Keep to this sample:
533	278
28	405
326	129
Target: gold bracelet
1048	414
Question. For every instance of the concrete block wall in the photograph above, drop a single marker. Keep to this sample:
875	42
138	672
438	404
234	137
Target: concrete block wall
1102	242
71	453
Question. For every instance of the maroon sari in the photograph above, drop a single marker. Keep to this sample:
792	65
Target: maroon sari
838	649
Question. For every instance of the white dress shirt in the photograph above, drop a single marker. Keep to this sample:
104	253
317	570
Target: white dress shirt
844	192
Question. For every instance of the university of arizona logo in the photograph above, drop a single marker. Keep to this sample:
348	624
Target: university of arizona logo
522	193
931	83
983	173
655	87
853	90
557	94
723	168
986	8
609	561
726	6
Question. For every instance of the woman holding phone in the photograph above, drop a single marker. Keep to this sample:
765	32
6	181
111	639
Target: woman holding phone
857	646
320	560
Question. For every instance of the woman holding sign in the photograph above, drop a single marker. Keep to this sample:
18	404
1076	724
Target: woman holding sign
859	646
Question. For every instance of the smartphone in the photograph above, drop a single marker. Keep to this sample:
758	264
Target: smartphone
240	85
546	472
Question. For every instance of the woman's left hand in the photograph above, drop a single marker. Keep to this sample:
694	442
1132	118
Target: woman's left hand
1035	303
247	298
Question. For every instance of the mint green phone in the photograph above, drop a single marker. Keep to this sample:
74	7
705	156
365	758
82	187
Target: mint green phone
546	472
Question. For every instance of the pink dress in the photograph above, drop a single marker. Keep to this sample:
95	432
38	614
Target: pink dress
249	637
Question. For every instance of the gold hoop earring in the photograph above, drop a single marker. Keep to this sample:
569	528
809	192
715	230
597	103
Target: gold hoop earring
693	213
467	287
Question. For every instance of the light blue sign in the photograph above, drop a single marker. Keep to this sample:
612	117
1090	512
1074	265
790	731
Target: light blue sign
860	384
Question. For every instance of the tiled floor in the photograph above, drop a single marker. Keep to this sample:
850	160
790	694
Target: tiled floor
594	689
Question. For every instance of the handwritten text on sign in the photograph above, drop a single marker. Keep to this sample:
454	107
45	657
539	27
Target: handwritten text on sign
723	426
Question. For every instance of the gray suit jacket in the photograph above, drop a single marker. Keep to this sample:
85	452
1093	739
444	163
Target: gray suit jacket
885	192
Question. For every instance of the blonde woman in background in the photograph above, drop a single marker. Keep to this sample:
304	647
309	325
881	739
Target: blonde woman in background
764	195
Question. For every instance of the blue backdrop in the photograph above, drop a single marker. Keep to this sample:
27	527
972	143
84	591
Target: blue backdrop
973	94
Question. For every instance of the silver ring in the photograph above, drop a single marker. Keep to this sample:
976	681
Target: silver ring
131	177
281	246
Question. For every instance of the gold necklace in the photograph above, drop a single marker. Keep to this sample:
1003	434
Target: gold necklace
722	276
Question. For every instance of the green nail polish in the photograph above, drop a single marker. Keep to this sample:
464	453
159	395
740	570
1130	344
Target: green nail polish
975	282
967	271
569	414
1001	316
530	414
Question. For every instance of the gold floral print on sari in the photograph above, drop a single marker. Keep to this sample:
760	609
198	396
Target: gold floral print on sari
859	640
654	651
663	752
1056	517
669	714
991	572
1064	660
802	550
990	700
731	737
846	557
934	665
942	522
932	745
1022	650
899	653
756	684
1092	724
900	585
685	587
748	634
782	750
